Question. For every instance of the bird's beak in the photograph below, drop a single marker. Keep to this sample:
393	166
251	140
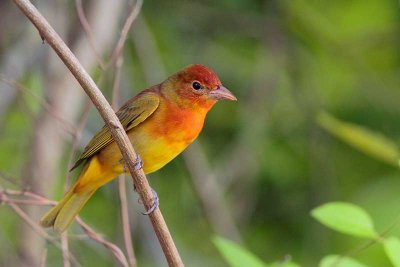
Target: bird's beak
222	93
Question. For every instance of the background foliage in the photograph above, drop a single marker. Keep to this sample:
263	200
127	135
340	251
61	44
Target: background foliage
316	121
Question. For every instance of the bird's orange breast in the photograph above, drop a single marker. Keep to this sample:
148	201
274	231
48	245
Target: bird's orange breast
165	134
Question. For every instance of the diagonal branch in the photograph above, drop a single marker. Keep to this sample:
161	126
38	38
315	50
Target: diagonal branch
88	31
125	29
117	253
112	122
30	198
25	217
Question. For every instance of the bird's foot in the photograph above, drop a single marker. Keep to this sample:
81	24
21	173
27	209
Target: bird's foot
138	164
156	203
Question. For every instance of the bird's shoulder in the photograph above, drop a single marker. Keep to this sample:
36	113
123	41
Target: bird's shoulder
139	108
132	113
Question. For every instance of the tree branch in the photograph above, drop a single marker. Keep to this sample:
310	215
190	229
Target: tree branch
111	120
13	203
30	198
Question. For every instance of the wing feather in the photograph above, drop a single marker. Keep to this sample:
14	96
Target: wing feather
130	115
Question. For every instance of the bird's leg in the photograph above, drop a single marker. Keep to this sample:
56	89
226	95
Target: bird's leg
156	203
138	163
155	199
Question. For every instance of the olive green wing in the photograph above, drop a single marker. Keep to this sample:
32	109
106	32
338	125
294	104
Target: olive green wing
130	115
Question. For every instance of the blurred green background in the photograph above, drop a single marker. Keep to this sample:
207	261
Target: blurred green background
259	166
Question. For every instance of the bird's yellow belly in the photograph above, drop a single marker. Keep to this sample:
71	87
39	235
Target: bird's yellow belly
155	151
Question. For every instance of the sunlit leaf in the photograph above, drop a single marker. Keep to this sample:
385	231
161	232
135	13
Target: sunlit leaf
339	261
367	141
346	218
235	255
392	249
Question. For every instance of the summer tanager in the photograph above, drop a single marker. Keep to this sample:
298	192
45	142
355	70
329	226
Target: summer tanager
160	121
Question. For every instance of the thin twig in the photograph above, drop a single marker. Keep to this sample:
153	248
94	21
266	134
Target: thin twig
116	84
65	250
43	258
112	122
125	30
23	202
116	251
35	227
66	124
35	199
125	221
28	220
10	179
88	32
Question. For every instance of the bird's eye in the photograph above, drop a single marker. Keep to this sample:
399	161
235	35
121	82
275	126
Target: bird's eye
196	85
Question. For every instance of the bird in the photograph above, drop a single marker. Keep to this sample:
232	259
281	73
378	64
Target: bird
160	121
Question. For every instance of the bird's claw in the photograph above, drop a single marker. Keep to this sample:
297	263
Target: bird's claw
138	164
156	203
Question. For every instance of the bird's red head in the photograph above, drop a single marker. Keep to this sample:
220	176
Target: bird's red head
198	84
200	73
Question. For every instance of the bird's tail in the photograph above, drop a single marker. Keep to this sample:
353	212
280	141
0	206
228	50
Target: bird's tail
92	177
61	215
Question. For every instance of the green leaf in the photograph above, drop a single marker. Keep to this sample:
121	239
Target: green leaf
346	218
392	249
371	143
235	255
339	261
